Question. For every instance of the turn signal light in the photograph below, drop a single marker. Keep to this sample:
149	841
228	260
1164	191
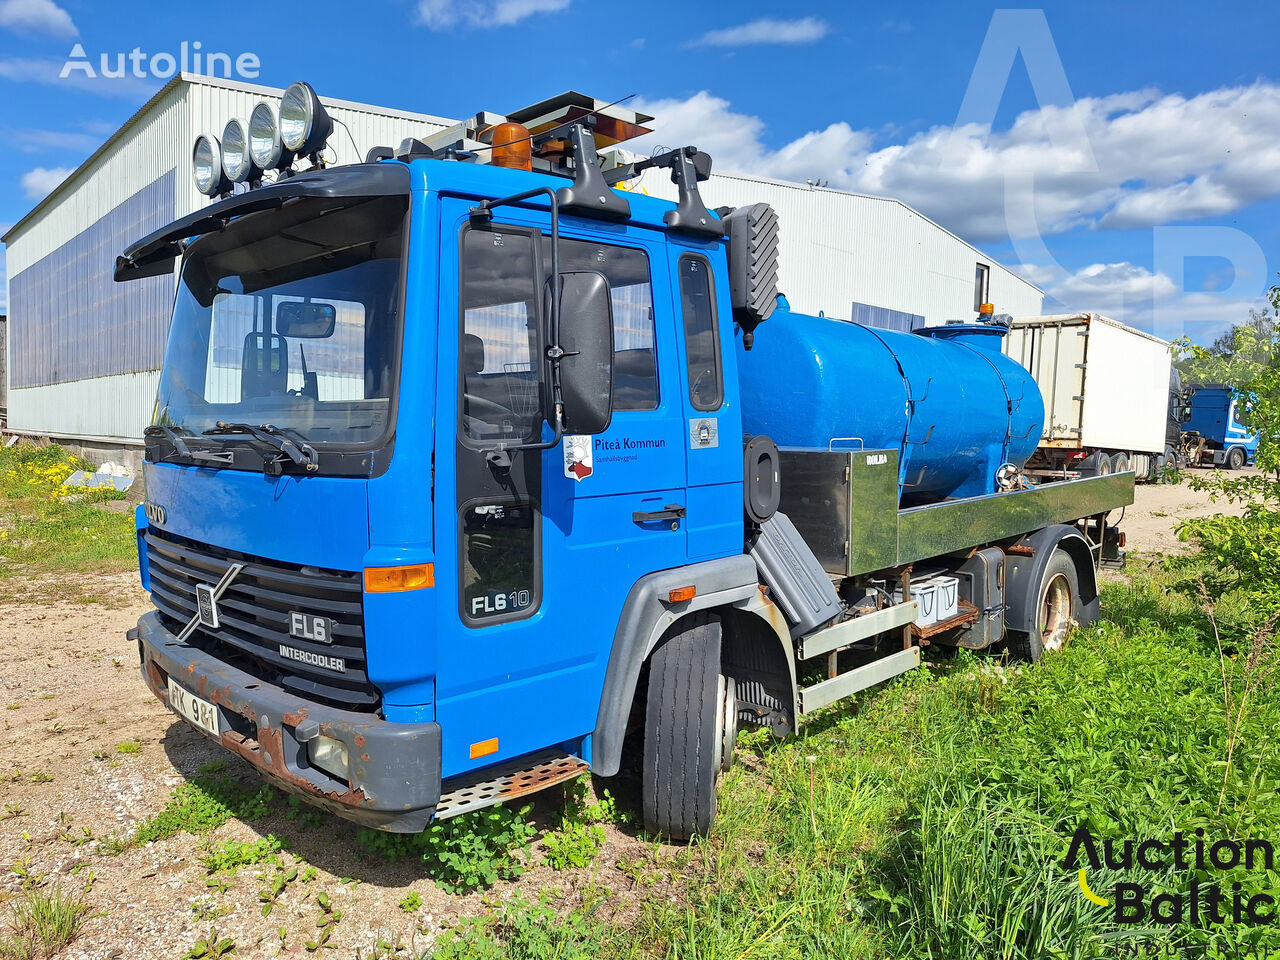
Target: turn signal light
394	579
681	594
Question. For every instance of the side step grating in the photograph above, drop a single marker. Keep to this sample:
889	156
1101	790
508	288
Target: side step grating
506	781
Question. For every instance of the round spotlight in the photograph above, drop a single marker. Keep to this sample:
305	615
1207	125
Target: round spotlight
265	146
206	166
237	164
304	125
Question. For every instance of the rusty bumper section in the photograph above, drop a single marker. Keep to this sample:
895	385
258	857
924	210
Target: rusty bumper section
395	767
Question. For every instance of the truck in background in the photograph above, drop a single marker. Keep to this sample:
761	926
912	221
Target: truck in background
1106	394
1212	434
458	483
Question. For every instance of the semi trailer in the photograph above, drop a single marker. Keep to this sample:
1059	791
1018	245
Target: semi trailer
1106	393
471	472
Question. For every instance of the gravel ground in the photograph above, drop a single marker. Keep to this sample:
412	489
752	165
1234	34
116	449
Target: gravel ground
72	694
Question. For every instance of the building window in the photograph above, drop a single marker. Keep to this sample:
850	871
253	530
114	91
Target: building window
981	286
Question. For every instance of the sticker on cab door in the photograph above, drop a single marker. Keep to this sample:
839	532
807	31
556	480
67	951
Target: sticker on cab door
577	456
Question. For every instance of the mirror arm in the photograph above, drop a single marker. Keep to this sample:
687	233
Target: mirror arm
499	456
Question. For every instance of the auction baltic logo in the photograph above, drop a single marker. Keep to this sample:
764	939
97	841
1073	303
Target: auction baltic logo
1203	902
163	65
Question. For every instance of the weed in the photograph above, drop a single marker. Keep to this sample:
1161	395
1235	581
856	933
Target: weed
129	747
279	882
521	929
43	922
211	947
12	810
328	919
574	845
39	776
411	903
306	817
230	855
206	804
468	852
206	908
14	706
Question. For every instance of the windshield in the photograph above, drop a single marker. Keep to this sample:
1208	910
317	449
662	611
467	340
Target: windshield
290	319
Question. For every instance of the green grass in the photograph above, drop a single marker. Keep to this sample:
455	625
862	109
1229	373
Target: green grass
204	804
41	923
46	528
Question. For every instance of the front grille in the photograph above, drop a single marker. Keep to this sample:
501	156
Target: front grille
253	616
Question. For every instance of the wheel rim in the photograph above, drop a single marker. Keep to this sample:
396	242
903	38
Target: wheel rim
1104	466
726	722
1055	613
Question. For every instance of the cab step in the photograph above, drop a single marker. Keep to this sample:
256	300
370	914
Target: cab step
506	781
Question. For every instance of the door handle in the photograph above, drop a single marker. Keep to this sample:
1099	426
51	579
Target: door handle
672	511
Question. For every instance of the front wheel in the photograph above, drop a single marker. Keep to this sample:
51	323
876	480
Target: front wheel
1236	458
1057	611
689	728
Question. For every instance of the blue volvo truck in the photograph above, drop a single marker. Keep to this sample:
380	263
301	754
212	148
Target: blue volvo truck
471	471
1212	433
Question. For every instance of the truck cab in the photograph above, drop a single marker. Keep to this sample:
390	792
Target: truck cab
448	498
1213	433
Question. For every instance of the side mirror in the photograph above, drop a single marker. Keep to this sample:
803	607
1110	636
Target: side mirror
312	320
264	365
586	334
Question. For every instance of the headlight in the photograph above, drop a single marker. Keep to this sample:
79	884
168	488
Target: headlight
329	755
206	166
237	164
265	146
304	125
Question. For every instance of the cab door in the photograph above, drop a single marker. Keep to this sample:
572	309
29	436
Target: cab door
548	545
713	441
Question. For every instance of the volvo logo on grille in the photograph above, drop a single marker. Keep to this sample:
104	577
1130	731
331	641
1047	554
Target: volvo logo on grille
207	602
155	513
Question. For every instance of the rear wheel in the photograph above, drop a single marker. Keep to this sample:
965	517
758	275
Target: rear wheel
1119	463
690	726
1236	458
1104	464
1057	610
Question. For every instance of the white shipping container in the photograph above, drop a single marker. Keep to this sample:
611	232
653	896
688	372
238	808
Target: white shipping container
1105	385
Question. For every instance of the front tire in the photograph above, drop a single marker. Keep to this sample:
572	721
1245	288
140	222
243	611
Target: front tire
689	728
1236	458
1057	610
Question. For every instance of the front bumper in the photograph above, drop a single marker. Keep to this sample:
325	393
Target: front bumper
395	767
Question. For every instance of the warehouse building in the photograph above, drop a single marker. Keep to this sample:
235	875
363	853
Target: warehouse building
84	352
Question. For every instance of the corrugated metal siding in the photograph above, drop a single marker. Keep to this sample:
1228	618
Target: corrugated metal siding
118	407
839	248
72	321
4	364
106	408
884	318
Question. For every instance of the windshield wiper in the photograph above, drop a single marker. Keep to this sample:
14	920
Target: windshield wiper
300	452
180	447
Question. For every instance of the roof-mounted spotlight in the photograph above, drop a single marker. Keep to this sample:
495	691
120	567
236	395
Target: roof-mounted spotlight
304	124
265	146
237	163
206	166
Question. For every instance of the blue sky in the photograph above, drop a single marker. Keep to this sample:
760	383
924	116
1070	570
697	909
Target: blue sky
1131	164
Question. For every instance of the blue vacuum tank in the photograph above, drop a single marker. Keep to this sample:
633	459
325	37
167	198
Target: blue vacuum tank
953	406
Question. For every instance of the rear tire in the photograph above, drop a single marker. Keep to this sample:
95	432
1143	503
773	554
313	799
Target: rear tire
1236	458
1104	467
1120	463
689	727
1057	610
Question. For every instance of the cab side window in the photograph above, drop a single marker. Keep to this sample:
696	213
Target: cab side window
701	335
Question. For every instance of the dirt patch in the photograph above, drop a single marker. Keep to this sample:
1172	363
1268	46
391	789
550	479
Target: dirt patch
1151	523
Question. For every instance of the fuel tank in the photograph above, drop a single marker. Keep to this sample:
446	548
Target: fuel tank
952	405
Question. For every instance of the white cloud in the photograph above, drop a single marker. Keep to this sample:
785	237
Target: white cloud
1151	158
805	30
38	183
39	141
1135	295
36	70
447	14
37	16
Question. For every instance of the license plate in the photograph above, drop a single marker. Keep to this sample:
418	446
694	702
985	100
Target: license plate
200	712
